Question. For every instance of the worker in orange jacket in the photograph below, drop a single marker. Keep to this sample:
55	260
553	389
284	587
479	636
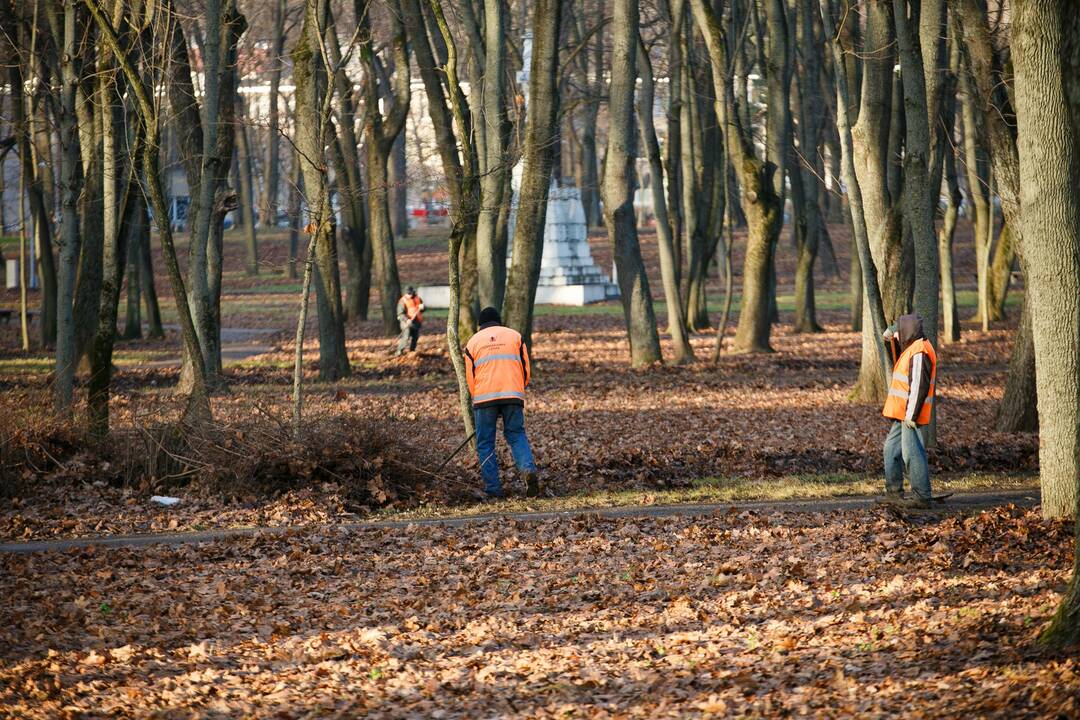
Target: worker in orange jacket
909	405
410	315
497	369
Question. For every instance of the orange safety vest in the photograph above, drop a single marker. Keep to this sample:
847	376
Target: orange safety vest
896	402
412	307
497	366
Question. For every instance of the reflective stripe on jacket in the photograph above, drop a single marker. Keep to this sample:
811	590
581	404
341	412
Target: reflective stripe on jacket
497	366
411	307
908	381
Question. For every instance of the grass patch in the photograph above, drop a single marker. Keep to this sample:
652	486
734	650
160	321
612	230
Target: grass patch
719	490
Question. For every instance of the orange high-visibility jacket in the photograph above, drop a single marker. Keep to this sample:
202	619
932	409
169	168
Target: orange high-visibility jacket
896	404
412	307
497	366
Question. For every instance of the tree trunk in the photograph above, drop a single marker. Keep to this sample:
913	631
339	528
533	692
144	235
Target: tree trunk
273	125
490	264
70	187
1044	56
871	148
977	171
918	203
155	329
312	92
247	190
1018	411
1001	271
344	149
676	317
399	187
133	307
118	232
380	132
760	202
198	404
618	189
42	208
541	125
1046	59
873	310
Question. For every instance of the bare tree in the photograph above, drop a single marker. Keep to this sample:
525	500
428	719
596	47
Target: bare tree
617	189
760	201
676	315
380	132
313	98
541	129
198	404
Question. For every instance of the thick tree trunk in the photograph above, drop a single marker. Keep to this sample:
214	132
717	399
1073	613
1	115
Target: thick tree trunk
1018	411
618	189
399	188
760	202
1049	150
872	159
198	404
117	237
1046	59
541	126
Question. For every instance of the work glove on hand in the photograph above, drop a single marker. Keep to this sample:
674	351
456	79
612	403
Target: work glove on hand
911	425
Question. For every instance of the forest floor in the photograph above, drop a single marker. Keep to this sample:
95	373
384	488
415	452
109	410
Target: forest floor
746	614
853	612
772	426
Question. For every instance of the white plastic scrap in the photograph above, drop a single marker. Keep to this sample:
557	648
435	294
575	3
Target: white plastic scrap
164	500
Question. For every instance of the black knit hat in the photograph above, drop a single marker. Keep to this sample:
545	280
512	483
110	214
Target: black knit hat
490	315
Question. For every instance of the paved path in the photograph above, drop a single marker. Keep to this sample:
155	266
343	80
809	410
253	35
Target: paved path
960	503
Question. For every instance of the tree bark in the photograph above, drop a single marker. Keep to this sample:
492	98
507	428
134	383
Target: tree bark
312	135
247	190
873	310
541	127
380	132
70	187
1046	59
676	316
272	172
618	193
490	253
1044	55
760	202
918	203
197	410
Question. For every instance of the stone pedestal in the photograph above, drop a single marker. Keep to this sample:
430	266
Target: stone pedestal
568	273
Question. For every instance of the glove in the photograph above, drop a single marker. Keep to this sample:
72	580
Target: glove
911	425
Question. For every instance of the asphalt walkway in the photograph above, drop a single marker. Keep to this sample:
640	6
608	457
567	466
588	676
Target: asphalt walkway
959	503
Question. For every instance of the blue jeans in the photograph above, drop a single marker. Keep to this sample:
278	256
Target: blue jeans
904	449
487	419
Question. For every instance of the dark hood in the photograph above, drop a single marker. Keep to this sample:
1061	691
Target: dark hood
908	330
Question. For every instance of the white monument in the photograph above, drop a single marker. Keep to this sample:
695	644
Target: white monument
568	274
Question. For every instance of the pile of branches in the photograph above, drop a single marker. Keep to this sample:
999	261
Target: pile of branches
370	465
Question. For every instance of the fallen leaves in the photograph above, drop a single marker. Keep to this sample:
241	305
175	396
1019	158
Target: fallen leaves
856	613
